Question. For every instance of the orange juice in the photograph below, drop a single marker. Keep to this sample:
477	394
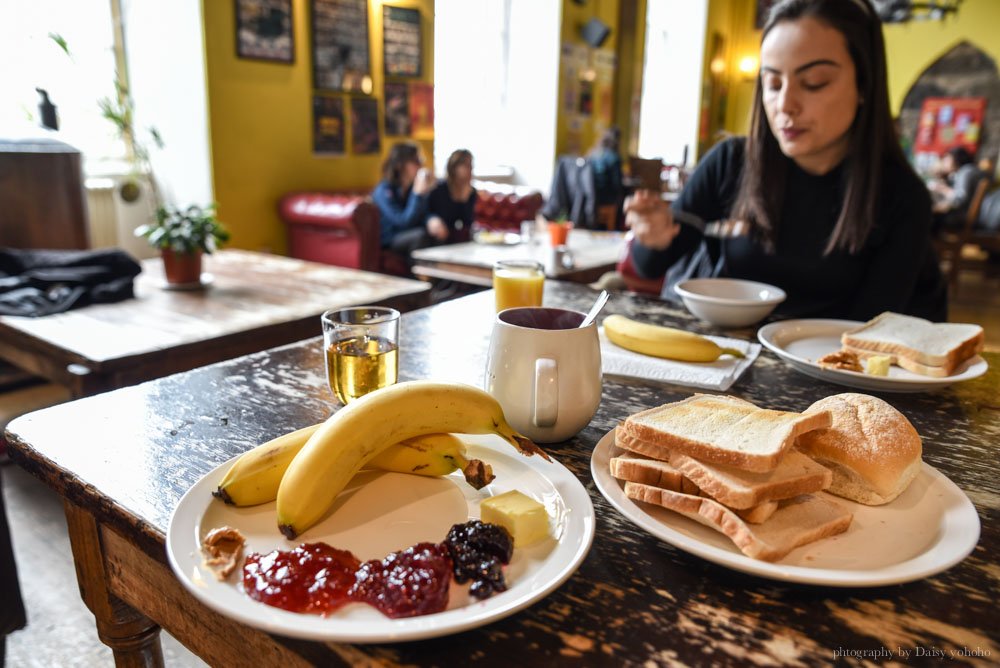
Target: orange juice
518	284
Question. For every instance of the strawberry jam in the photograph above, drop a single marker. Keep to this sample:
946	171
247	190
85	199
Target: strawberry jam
317	578
313	577
408	583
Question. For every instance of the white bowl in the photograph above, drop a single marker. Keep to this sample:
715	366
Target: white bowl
729	302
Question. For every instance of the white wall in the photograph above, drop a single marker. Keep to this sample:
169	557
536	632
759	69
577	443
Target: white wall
495	90
164	45
671	81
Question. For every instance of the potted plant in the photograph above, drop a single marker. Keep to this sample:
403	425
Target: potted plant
182	236
559	231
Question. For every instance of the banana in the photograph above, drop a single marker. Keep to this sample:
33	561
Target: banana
254	477
675	344
434	455
366	427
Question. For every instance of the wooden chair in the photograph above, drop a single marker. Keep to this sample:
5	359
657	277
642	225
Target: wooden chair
950	243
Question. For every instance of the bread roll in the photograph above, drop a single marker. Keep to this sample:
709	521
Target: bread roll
872	449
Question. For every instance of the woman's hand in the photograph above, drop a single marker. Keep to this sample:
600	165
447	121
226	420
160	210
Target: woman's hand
424	181
651	220
437	229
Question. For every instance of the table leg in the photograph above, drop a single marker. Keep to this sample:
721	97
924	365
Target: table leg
134	639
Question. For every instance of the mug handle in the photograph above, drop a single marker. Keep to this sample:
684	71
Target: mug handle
545	395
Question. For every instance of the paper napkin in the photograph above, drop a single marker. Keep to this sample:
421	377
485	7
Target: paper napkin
717	375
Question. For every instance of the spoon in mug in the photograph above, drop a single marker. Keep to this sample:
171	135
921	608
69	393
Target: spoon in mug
602	299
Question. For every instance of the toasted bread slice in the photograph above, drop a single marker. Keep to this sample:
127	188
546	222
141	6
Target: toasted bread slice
723	430
943	344
797	521
906	363
630	467
796	474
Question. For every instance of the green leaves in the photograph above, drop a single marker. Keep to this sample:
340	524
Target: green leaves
185	230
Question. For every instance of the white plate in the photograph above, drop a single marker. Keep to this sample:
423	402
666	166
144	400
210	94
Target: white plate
383	512
495	238
801	342
927	529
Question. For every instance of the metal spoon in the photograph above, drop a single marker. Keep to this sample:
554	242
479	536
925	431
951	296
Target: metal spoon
602	299
720	229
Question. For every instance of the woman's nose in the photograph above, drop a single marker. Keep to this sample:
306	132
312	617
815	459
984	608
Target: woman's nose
788	101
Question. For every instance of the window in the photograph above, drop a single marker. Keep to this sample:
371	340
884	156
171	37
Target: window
74	82
496	68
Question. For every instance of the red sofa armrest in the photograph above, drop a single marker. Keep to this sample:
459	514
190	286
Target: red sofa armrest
333	228
504	207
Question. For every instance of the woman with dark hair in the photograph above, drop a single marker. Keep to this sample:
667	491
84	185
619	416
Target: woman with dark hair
606	164
451	206
956	184
401	198
836	216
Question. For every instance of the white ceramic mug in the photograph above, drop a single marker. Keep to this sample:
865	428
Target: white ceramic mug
545	371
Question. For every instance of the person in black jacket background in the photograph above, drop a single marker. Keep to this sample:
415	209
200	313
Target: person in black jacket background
837	217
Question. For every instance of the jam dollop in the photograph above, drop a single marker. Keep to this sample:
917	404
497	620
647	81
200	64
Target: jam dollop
319	579
478	551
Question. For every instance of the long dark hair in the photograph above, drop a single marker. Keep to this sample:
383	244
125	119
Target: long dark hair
871	145
400	154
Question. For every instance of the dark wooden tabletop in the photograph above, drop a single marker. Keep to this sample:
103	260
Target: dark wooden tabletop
128	456
253	301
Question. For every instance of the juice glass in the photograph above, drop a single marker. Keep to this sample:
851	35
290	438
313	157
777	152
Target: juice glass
518	283
362	350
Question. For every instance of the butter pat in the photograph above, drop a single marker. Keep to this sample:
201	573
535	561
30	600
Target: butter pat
522	516
878	365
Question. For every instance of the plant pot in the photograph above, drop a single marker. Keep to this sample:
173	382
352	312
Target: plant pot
558	233
182	268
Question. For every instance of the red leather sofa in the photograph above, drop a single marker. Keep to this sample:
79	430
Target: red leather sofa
343	228
633	281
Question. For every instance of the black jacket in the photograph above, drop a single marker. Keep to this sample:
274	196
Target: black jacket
41	282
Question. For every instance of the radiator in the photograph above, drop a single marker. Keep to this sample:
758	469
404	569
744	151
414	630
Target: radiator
113	220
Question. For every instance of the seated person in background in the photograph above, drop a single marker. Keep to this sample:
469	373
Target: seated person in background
837	217
401	198
607	167
451	205
952	191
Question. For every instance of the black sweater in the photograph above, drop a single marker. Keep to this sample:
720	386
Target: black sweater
896	270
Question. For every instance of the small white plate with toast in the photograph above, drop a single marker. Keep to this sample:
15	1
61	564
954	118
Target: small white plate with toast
801	342
927	529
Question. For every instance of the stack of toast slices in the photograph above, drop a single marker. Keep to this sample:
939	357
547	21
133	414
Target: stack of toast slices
917	345
726	463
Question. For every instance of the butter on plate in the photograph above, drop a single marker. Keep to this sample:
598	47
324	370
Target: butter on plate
878	365
522	516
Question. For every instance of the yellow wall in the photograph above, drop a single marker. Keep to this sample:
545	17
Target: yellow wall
260	124
913	47
628	76
575	132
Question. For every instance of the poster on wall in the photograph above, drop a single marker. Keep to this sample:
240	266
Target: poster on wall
946	122
422	110
328	125
264	30
340	46
397	109
401	44
364	126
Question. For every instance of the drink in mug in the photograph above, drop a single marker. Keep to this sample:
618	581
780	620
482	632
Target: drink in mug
362	350
518	283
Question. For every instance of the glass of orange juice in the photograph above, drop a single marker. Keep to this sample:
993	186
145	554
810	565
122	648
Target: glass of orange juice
518	283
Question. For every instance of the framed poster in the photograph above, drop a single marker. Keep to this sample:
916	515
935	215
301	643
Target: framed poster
328	125
264	30
364	126
401	44
340	46
422	110
397	109
946	122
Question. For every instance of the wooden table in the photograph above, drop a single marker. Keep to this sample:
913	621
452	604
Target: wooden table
591	254
254	301
123	459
